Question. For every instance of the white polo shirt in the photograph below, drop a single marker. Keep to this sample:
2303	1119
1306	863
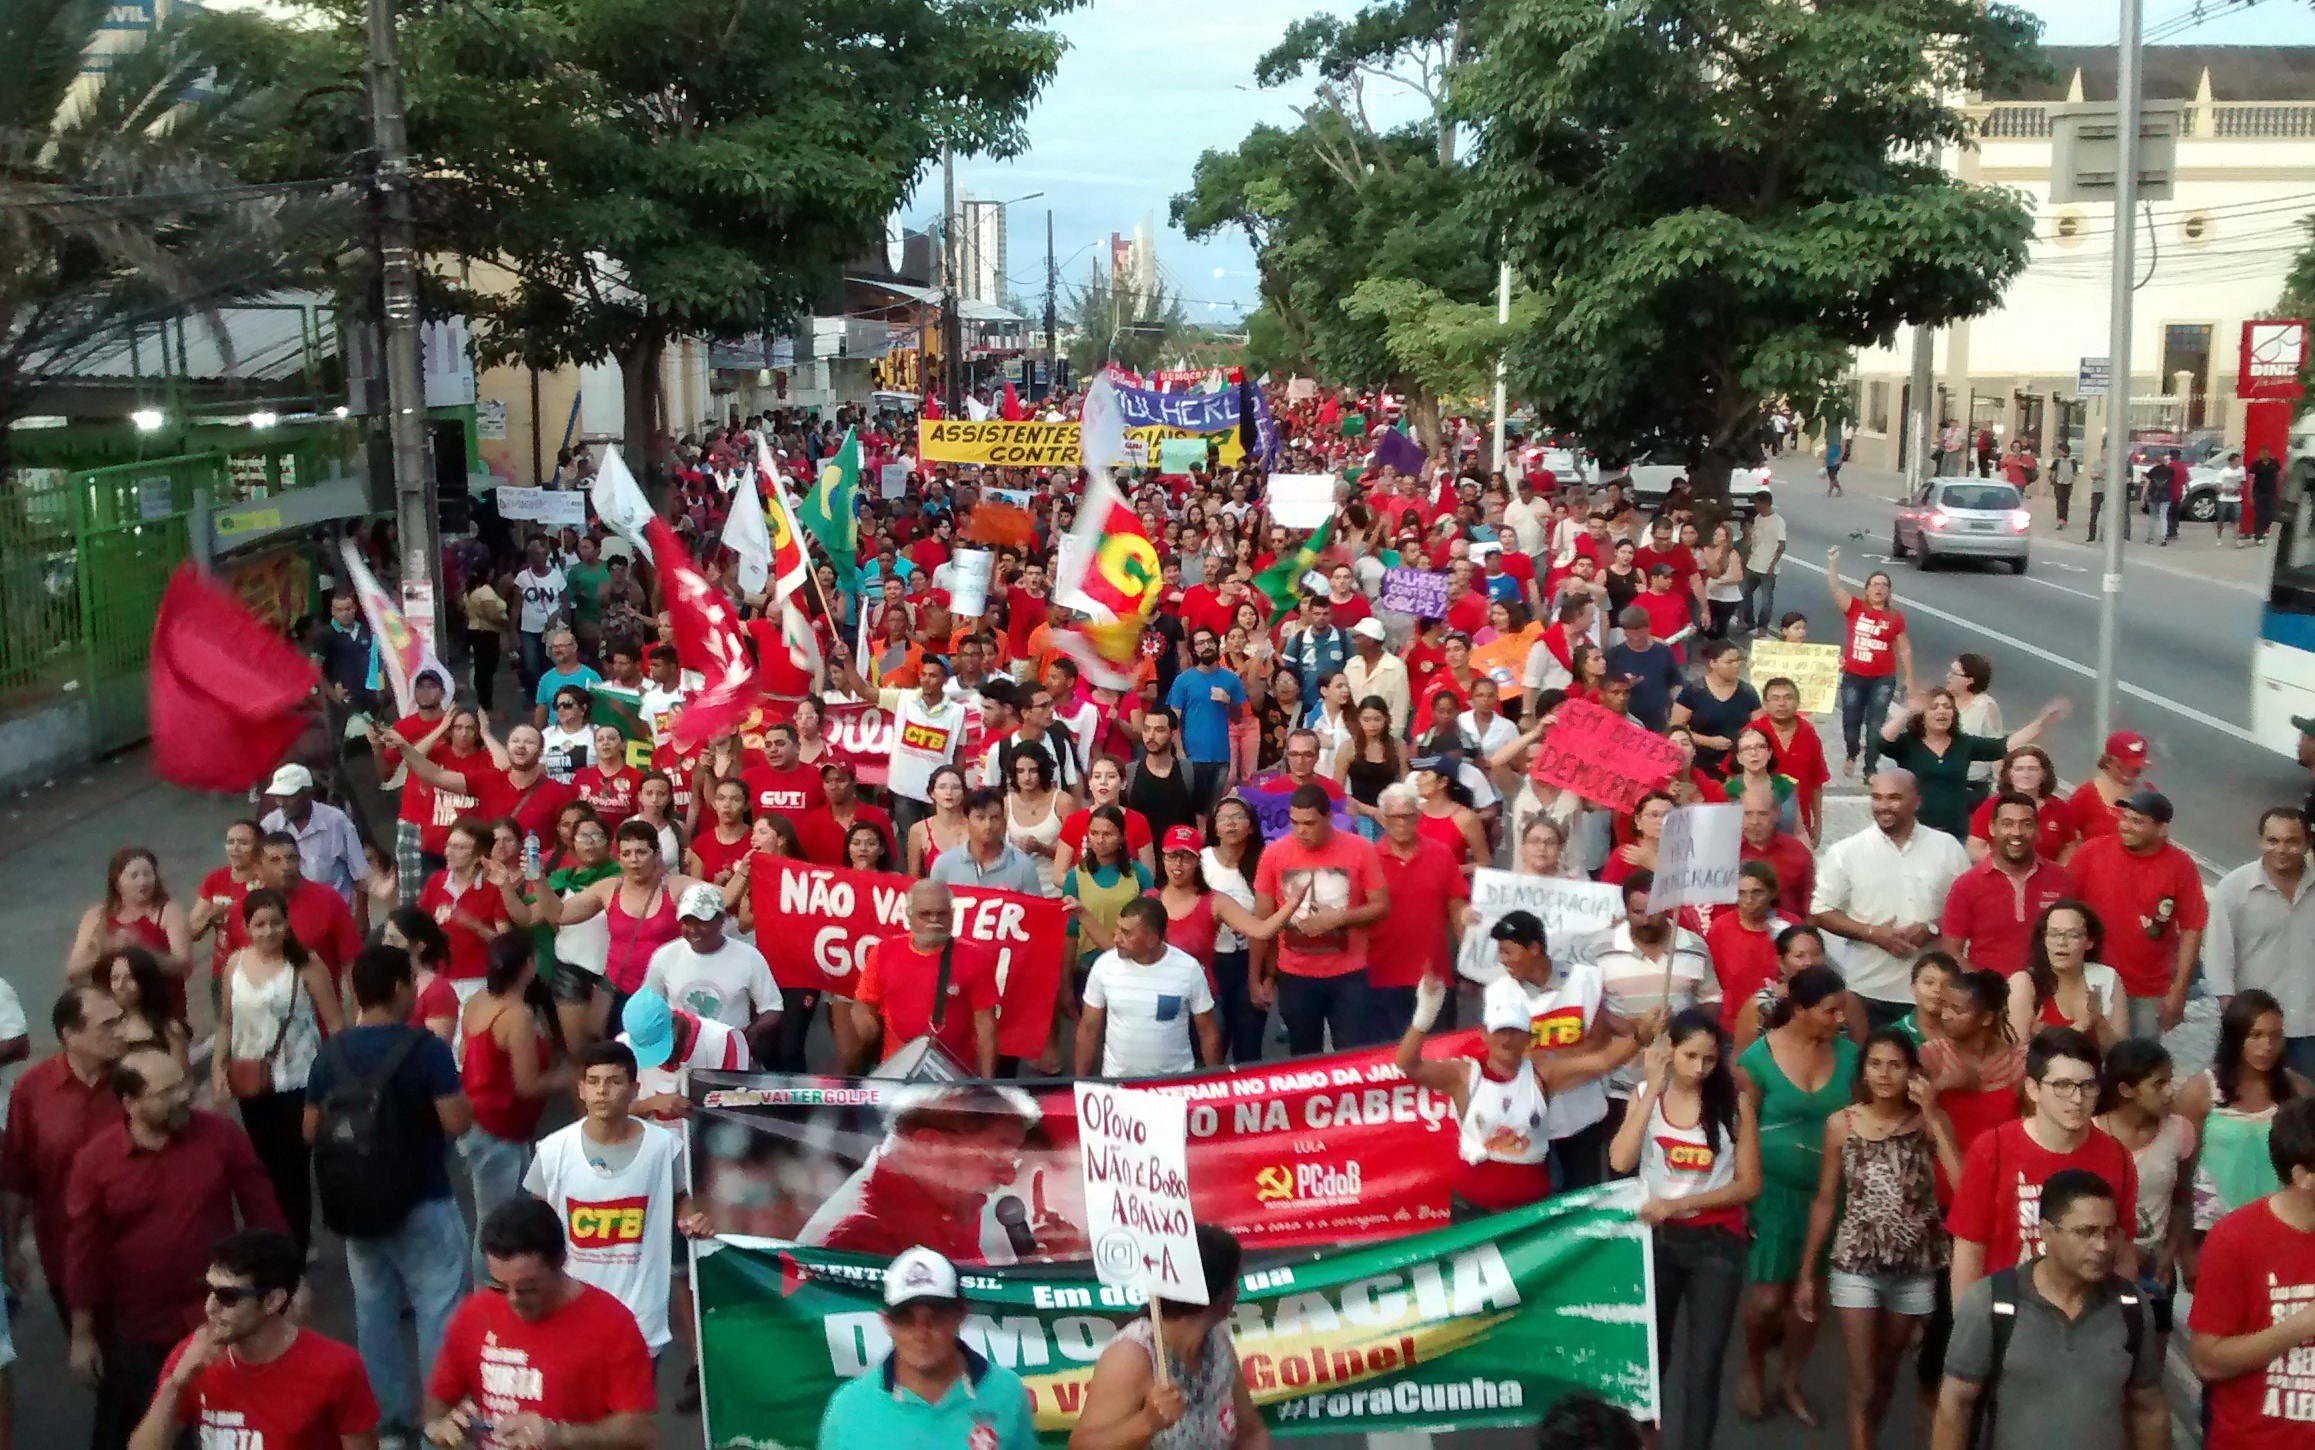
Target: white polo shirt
1876	882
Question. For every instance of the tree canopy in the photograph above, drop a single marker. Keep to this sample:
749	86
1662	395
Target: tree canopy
1137	331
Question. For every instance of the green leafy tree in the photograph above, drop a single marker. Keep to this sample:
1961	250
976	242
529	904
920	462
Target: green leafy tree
1137	331
1337	202
614	174
115	205
1717	201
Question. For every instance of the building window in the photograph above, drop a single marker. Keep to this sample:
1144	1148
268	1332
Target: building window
2186	348
1877	408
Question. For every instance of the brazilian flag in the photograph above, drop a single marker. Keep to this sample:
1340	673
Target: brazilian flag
1281	581
827	509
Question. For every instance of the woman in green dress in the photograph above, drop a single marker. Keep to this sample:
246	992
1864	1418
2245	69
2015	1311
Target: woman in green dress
1094	890
1798	1074
1926	738
2232	1106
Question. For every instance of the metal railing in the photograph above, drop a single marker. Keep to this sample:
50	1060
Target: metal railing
2214	121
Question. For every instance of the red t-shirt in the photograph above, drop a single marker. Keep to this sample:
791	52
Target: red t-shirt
1412	939
715	857
2092	816
469	949
1423	660
2258	1271
2144	902
1679	556
611	792
1137	836
310	1398
897	980
1349	611
1795	867
1743	959
1340	875
320	920
581	1364
1872	647
224	894
822	836
533	806
1023	612
1999	1200
1202	607
1990	914
417	796
1468	615
2054	821
438	998
679	769
1667	613
789	792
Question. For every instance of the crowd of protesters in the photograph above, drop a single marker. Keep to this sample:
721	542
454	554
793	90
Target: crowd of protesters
1911	1076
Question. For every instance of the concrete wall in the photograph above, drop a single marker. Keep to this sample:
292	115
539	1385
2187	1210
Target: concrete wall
36	746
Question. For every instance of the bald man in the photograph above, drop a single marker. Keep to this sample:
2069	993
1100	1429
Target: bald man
1882	891
929	984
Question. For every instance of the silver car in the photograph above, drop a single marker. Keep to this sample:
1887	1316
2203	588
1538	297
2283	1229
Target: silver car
1963	518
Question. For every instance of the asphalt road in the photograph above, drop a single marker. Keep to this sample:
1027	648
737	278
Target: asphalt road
2189	619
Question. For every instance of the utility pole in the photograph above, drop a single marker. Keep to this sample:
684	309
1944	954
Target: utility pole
397	223
1917	414
1052	363
1502	319
2126	122
952	347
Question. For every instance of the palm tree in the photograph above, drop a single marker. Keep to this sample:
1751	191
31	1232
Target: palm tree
115	208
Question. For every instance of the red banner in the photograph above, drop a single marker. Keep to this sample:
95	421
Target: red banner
1603	757
1320	1150
825	915
861	737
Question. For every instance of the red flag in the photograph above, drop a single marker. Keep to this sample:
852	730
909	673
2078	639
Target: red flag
1011	410
225	692
1329	412
707	639
931	408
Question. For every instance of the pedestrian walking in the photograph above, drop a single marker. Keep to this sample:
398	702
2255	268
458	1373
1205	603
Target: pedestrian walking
1876	660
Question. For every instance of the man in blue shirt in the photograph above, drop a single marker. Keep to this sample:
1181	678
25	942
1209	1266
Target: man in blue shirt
1209	700
931	1390
1655	674
563	668
1317	648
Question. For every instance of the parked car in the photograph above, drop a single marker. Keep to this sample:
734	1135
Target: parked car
1963	518
2214	490
1650	476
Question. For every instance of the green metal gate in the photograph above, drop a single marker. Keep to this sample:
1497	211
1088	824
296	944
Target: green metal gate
133	524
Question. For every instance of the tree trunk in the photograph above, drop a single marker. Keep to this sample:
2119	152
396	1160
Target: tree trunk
639	380
1423	412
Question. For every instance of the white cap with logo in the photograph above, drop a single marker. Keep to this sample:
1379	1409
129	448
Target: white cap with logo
920	1276
700	903
1505	1006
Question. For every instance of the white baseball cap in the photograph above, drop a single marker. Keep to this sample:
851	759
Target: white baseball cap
1371	627
700	903
920	1276
1505	1006
289	780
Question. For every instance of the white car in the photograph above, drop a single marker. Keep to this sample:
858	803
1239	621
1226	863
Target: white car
1651	475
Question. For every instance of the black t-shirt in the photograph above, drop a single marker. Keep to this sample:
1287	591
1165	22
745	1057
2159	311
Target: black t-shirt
1164	801
1708	715
1161	643
429	1072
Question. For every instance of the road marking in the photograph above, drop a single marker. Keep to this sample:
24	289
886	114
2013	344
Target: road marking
2164	702
2063	588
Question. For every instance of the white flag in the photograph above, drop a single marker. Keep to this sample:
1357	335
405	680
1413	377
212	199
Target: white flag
1101	427
619	500
803	644
745	533
975	409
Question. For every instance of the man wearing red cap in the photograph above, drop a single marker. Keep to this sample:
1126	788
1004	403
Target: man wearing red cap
2149	897
2095	802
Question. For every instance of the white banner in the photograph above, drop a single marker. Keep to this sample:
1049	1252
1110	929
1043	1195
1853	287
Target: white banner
1133	1146
1696	861
969	592
1571	911
1301	500
895	480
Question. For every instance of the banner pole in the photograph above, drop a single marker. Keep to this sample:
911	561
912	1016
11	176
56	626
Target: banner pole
1157	1340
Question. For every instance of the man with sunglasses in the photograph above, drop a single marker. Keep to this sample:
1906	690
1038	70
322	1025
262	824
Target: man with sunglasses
535	1357
1996	1217
248	1376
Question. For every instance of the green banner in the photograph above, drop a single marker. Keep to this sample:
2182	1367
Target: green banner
1482	1323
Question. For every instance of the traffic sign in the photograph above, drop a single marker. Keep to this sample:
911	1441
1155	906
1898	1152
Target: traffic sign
2095	375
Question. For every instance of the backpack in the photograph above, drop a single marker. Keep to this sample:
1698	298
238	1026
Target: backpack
2005	1321
366	1148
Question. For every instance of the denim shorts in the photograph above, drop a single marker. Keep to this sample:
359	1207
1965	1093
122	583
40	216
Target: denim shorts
1897	1293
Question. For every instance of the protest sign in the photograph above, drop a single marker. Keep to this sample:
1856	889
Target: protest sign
1603	757
555	507
1270	797
1484	1323
1316	1150
1301	390
1571	911
1019	498
1419	592
1231	451
969	592
996	441
1301	500
1133	1148
825	915
894	479
1814	668
518	505
1697	859
1180	455
1188	412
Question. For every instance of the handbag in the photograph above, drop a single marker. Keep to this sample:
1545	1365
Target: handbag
252	1077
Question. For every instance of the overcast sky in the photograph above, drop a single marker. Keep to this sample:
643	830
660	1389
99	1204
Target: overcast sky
1146	87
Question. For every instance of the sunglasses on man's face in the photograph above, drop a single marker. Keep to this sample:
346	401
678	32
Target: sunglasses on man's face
230	1295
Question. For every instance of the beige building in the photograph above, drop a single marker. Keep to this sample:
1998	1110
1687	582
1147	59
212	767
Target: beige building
2209	258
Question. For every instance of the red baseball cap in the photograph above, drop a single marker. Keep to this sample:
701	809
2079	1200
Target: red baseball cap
1184	838
2127	745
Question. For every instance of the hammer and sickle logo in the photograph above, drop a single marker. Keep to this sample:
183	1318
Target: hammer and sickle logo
1273	1183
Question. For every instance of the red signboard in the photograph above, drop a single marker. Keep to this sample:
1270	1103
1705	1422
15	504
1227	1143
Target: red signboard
2274	349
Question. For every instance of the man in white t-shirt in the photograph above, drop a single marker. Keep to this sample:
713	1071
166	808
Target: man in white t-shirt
1568	1017
616	1183
668	1042
1142	999
928	732
713	975
544	593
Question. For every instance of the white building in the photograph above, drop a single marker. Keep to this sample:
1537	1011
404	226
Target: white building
981	245
2212	256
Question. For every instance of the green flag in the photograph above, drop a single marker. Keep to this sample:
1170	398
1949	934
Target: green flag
826	510
1279	582
1354	425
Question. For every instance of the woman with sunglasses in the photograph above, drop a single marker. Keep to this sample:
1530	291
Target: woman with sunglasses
568	741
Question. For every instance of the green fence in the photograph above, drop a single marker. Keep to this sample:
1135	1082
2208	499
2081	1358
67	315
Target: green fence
84	558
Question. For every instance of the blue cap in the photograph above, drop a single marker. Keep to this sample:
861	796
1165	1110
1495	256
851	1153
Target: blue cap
650	1028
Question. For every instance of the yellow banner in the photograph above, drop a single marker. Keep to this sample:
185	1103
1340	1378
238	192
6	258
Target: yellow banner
1232	450
997	443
